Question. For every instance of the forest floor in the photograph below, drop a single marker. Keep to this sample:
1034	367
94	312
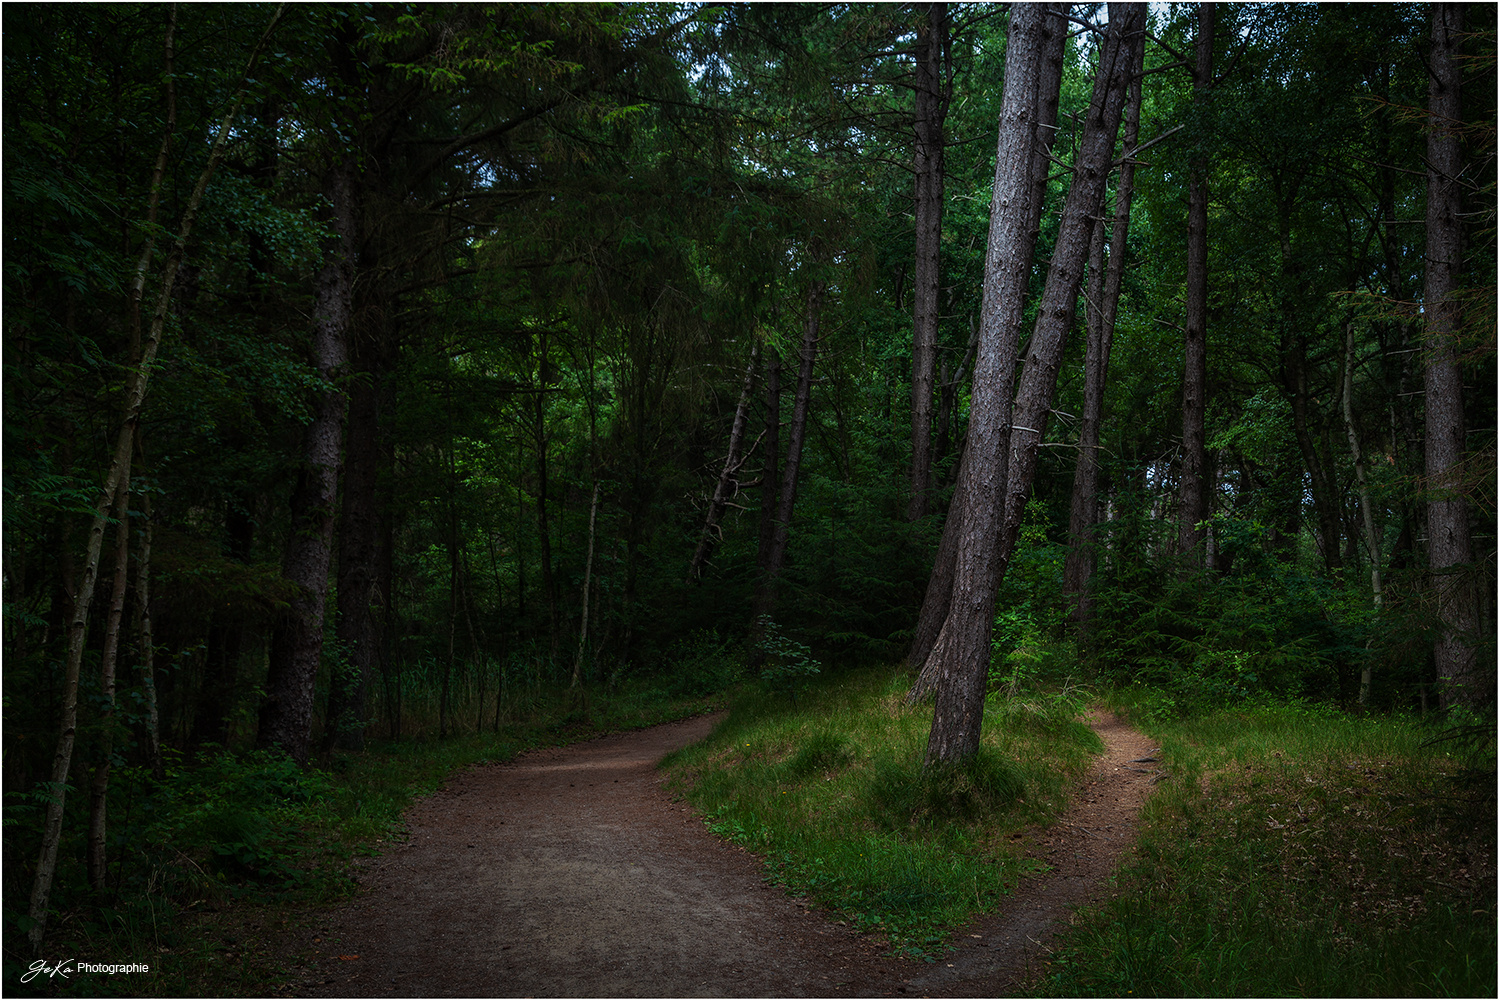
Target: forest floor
571	872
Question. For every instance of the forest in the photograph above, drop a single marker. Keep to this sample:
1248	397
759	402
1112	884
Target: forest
377	373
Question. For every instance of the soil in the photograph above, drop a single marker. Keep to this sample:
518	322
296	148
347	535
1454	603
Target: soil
570	872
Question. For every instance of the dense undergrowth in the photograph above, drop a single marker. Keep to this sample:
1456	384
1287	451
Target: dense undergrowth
830	791
1300	850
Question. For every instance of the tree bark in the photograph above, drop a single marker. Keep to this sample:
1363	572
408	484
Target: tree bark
728	484
99	793
980	570
796	434
297	641
1194	508
588	575
359	599
1449	548
1103	301
960	654
1366	507
938	599
770	480
118	478
931	108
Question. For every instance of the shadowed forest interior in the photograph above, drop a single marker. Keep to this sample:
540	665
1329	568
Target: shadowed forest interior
387	373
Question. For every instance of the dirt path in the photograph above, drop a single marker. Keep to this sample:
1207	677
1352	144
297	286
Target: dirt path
570	873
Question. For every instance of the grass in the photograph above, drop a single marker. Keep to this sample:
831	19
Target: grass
1298	850
829	790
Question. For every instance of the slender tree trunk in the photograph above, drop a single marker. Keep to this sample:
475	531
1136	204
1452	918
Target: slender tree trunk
770	481
117	478
99	794
297	641
1104	301
796	433
544	531
1194	508
961	653
147	641
588	576
728	484
932	44
1449	549
1366	507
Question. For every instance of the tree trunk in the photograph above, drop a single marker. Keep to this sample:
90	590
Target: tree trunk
1043	119
1194	508
728	484
147	641
543	529
117	478
1449	548
1104	301
796	433
979	572
359	600
770	480
99	793
960	654
931	48
1367	509
297	641
588	575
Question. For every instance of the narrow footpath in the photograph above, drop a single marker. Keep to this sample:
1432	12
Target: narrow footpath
570	872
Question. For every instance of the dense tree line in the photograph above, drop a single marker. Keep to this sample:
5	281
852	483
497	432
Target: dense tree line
357	349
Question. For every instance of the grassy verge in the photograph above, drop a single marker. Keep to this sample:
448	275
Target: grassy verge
830	791
233	849
1298	850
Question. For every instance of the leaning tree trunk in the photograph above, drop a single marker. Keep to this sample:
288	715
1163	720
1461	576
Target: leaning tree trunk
297	641
728	485
770	479
1449	547
1078	567
766	600
961	652
939	596
1118	63
1195	494
118	478
932	43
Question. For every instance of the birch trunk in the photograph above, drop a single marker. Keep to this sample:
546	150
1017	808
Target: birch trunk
117	478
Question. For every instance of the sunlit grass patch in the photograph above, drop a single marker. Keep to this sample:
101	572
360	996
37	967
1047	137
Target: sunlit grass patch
832	793
1299	851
